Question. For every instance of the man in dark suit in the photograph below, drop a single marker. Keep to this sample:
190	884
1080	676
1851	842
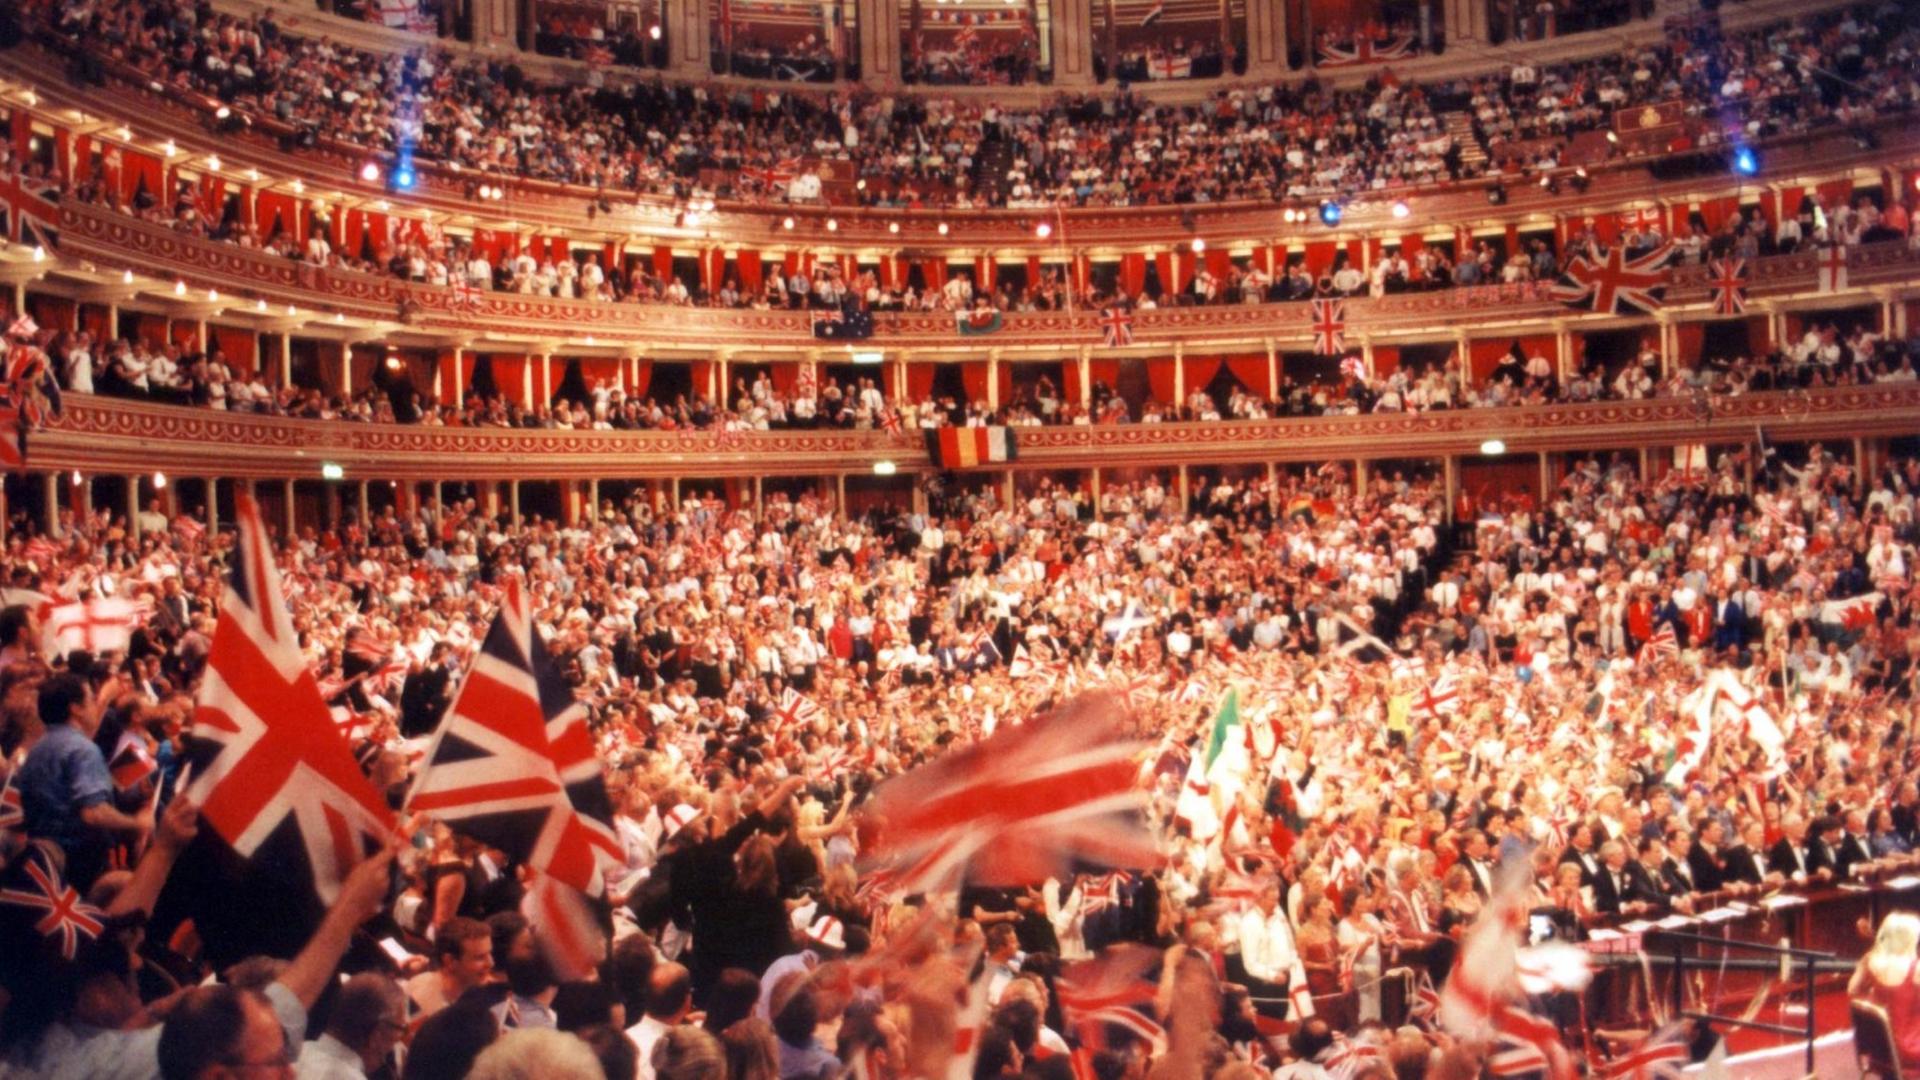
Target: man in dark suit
423	697
1747	863
1706	859
1652	879
1853	847
1619	889
1729	623
1676	870
1823	850
1580	852
1788	855
1478	860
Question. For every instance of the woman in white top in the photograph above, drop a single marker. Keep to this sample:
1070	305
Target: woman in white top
1359	935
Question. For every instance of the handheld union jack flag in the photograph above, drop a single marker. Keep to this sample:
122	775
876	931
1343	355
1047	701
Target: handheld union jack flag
1661	1057
1116	326
36	890
272	776
1729	286
1604	284
513	765
1329	327
1662	644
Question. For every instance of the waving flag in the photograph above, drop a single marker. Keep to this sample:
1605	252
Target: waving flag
1830	266
969	447
1116	326
1729	286
1441	698
512	765
37	902
1605	284
1154	13
1116	989
1661	645
286	809
1033	801
1661	1057
1483	996
103	624
1329	327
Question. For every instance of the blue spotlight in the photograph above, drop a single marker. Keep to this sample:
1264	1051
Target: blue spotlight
404	177
1745	161
1330	213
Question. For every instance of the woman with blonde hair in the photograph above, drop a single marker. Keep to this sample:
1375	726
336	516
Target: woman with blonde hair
1887	977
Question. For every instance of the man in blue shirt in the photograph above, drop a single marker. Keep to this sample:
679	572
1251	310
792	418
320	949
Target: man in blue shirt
65	790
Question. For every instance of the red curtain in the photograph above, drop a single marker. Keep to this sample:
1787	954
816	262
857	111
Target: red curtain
1715	212
750	274
509	375
186	334
139	170
890	381
151	329
986	274
240	345
919	382
784	377
973	376
1219	263
1411	245
1033	271
1133	273
93	319
1200	371
1691	338
51	312
1160	380
1263	258
934	270
1320	257
1006	383
1252	372
1485	355
1386	359
663	262
1103	372
556	370
1835	193
701	374
1070	381
641	379
1163	269
1576	350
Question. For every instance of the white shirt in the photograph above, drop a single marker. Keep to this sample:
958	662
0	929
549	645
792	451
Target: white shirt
1266	944
327	1058
645	1035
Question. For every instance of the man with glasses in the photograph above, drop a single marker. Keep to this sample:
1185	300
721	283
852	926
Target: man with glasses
369	1016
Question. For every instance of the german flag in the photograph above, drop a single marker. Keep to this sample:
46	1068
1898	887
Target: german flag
969	447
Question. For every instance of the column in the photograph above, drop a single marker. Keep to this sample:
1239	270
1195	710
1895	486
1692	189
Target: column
133	505
1273	365
1093	480
113	321
292	527
1111	46
286	358
686	24
495	23
675	493
1359	475
1009	489
1546	476
1463	348
840	494
1450	468
1273	488
1183	488
1859	466
1366	355
993	378
526	386
546	379
1086	377
1266	40
880	42
1669	345
1071	42
593	499
213	506
50	487
366	505
1179	380
346	369
513	500
759	496
1563	351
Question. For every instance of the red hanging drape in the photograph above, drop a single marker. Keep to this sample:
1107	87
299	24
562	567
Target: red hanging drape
1133	273
973	376
186	334
640	379
1033	271
1386	359
1006	383
509	376
890	382
919	382
1070	381
934	271
784	377
51	312
1691	337
1411	245
663	262
1102	373
1200	372
751	278
240	346
1160	380
1163	270
139	170
1251	370
985	273
701	374
93	319
1219	263
1835	193
1263	259
1485	355
556	371
1320	257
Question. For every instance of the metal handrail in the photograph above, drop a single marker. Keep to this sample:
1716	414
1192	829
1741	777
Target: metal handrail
1807	960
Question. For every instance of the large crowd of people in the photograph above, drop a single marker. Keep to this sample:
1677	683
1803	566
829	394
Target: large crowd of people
1265	142
1429	703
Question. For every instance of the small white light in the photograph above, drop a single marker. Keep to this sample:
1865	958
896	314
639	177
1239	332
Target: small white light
394	363
213	295
213	163
299	187
170	148
943	228
260	305
893	226
370	172
1493	447
1400	209
77	478
222	113
126	277
833	225
39	253
253	175
291	310
159	481
589	339
692	219
339	316
1199	244
1043	230
870	356
884	468
786	223
179	288
860	184
332	471
654	31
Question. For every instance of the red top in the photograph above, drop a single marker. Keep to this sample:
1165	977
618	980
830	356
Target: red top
1902	1003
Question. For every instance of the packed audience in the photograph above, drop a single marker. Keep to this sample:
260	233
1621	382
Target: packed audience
749	940
1297	140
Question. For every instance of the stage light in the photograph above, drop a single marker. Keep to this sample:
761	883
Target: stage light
370	172
1330	213
1493	447
943	228
654	31
1199	245
869	356
884	468
893	226
213	296
159	481
404	177
786	223
213	163
1745	161
179	288
833	225
126	277
330	470
1043	230
1400	209
394	363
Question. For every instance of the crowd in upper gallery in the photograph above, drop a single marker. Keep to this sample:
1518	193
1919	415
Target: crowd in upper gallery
1299	139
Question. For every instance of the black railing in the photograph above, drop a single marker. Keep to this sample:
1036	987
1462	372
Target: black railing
1809	963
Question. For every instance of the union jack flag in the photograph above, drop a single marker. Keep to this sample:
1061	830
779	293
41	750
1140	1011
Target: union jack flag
190	528
796	710
1663	1055
1604	284
13	813
1112	990
1729	286
1116	326
513	765
1029	802
1329	327
1662	644
1441	698
1367	49
56	909
467	296
1348	1058
272	776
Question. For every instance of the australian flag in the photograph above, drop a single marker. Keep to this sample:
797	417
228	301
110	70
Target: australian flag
849	322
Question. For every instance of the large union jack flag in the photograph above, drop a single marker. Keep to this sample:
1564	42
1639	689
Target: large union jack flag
1116	326
1729	286
1329	327
1604	284
266	756
513	764
1366	49
1035	800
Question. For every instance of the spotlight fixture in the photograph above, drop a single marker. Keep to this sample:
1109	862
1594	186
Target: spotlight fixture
1400	209
1199	245
1043	230
1745	161
884	468
893	226
404	177
833	225
159	481
370	172
943	228
1330	213
1493	447
786	223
